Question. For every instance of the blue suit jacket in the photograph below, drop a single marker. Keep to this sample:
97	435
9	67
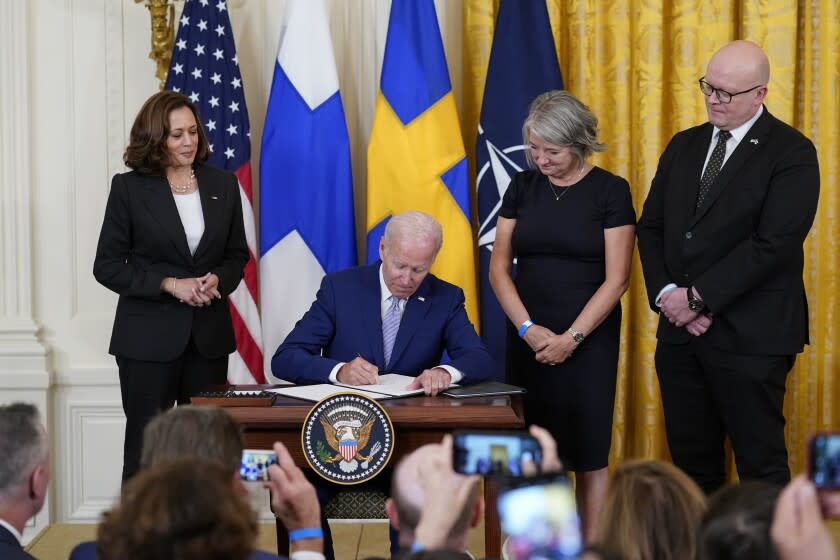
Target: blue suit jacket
345	322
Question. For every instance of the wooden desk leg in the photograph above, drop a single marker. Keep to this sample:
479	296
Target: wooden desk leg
492	527
282	538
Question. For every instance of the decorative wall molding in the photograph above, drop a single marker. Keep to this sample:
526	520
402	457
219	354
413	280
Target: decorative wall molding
90	451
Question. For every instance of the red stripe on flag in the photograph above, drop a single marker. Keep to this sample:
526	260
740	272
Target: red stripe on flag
250	277
246	346
243	173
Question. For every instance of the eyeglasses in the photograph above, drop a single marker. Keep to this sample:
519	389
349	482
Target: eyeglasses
722	95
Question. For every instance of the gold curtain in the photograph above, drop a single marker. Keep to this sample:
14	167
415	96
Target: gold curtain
636	64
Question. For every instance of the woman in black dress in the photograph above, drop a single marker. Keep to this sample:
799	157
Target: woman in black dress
571	227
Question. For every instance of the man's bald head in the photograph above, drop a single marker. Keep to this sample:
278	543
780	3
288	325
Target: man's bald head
741	69
742	60
405	505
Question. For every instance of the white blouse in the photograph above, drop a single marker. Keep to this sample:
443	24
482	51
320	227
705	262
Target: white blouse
192	218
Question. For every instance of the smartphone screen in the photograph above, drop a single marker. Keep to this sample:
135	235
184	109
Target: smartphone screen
254	464
494	453
825	460
540	518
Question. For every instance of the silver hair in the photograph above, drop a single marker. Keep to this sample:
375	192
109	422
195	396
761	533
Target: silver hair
416	226
23	445
558	117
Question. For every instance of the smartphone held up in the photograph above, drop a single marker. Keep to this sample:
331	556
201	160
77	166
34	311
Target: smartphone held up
824	460
254	464
494	453
539	515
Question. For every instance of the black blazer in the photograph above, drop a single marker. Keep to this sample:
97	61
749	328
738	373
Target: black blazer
10	548
143	241
742	249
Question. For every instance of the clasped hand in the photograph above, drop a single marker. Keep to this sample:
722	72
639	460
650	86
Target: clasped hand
197	292
550	348
675	308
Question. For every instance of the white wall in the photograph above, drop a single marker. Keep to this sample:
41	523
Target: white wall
73	74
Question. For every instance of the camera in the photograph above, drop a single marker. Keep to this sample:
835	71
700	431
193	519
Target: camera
824	460
540	517
254	464
490	453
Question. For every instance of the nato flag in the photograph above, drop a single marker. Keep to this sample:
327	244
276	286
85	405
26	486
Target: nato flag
523	64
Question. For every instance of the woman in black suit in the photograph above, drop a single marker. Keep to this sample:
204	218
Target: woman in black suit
173	247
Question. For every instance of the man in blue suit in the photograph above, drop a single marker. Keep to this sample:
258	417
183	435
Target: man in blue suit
24	474
388	316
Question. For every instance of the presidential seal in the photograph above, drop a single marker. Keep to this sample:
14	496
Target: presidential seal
347	438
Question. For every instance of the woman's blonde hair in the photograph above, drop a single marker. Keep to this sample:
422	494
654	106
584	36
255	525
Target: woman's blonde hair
652	511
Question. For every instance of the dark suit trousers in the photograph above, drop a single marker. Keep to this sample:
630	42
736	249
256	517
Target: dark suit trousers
708	394
149	388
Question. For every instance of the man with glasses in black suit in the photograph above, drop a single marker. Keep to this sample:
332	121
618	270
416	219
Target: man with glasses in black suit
720	239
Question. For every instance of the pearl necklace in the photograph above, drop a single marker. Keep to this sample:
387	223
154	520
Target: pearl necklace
567	187
185	188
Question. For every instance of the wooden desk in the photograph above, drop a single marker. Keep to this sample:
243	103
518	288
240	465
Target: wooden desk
417	421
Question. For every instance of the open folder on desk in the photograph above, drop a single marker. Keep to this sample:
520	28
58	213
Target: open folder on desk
390	385
316	393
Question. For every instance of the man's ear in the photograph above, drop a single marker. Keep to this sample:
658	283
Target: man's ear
477	513
391	512
39	482
382	248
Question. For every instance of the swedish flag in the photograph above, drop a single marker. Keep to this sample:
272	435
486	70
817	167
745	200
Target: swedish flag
416	158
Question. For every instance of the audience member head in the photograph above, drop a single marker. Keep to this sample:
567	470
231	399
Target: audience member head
557	117
408	248
405	506
736	525
179	510
25	467
199	431
651	510
147	150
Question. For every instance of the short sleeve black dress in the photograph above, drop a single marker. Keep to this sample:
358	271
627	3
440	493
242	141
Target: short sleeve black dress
558	242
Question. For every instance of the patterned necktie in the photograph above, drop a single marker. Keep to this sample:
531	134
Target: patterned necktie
390	326
713	167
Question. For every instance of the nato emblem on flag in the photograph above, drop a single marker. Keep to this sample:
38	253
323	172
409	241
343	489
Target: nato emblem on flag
523	64
347	438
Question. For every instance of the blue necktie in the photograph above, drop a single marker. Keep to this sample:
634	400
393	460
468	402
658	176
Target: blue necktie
390	326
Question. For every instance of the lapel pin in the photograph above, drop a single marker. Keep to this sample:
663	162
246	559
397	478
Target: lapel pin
421	298
754	141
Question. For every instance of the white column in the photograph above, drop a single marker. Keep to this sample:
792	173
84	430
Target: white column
23	357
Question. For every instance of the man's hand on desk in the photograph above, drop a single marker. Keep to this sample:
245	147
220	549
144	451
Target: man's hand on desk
358	372
432	381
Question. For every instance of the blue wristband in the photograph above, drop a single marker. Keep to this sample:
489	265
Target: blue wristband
306	533
416	547
524	327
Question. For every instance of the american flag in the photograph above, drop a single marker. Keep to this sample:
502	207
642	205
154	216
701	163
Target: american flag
205	68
